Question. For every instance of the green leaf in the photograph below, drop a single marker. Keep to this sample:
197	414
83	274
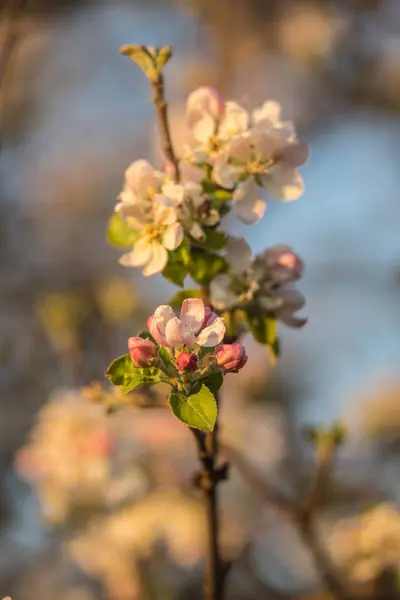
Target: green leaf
214	381
204	266
122	372
164	355
175	273
214	240
181	254
120	367
179	297
149	375
146	335
198	411
119	234
162	57
144	58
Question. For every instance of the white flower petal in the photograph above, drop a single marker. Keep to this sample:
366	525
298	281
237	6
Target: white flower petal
133	215
270	111
296	154
222	296
238	254
213	335
248	203
240	148
225	174
174	191
164	215
158	260
163	314
197	232
142	178
235	121
178	335
204	108
172	236
192	313
139	256
284	183
212	218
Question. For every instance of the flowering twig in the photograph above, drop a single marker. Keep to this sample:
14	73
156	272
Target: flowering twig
158	97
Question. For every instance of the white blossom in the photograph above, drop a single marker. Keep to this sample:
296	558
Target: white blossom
265	282
142	183
159	231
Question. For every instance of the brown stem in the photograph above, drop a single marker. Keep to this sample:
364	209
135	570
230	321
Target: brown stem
161	105
208	479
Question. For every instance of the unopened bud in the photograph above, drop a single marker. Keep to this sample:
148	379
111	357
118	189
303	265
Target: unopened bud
186	362
231	357
141	351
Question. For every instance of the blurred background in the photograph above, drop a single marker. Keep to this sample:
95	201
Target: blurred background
85	495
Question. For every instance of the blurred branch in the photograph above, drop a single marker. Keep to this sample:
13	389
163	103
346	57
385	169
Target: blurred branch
10	39
302	515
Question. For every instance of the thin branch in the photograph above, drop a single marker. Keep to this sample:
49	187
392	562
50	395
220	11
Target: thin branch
11	37
208	479
158	97
303	517
257	481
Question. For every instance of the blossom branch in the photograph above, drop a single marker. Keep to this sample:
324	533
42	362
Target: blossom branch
158	97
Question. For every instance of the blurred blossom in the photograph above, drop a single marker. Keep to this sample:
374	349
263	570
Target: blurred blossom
117	299
366	545
111	547
309	32
379	415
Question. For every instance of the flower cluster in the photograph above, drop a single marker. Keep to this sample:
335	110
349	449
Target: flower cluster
237	154
184	337
368	544
264	283
185	352
246	152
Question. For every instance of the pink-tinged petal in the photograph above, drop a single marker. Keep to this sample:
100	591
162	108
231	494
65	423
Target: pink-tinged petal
241	147
154	329
296	155
142	178
190	172
163	314
234	122
157	262
178	335
248	203
192	313
238	254
172	236
139	256
284	183
213	335
209	317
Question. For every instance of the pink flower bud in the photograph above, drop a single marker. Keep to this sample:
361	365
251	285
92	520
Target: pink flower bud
187	361
231	357
284	265
142	351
